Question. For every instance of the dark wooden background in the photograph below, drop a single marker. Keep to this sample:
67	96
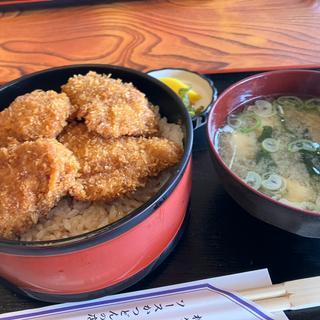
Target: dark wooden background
221	239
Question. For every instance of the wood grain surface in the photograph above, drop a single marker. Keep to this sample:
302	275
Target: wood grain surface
200	35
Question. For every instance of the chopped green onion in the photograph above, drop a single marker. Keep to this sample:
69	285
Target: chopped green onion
273	183
278	107
312	103
303	144
249	122
290	101
234	121
263	108
253	179
270	145
282	119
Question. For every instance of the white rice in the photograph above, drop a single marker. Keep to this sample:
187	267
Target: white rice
71	217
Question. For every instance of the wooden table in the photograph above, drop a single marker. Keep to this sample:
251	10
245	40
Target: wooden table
209	36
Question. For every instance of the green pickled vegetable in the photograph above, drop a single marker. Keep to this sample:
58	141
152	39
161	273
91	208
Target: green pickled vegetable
191	112
184	95
199	109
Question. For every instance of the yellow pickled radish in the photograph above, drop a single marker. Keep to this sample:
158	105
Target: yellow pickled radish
176	84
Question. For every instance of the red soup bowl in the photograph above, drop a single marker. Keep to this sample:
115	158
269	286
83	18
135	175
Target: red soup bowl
114	257
288	82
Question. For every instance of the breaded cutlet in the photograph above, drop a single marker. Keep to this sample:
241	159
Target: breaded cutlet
39	114
33	177
111	107
110	168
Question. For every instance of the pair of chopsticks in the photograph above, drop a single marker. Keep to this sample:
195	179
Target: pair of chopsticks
290	295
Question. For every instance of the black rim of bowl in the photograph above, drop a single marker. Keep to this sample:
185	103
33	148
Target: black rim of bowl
122	225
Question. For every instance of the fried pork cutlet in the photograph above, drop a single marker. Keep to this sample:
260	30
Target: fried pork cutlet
39	114
110	107
110	168
33	177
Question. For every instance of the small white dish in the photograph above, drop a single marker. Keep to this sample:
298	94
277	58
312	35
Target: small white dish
199	83
206	89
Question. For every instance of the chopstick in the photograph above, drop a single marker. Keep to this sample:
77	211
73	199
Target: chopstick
290	295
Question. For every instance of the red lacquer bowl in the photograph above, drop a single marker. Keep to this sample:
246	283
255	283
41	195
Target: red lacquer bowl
288	82
114	257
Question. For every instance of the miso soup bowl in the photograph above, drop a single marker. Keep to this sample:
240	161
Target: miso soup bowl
114	257
287	82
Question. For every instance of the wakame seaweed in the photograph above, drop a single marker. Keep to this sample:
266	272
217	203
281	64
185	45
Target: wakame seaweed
266	133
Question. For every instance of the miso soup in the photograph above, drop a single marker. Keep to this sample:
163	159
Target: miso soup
273	144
